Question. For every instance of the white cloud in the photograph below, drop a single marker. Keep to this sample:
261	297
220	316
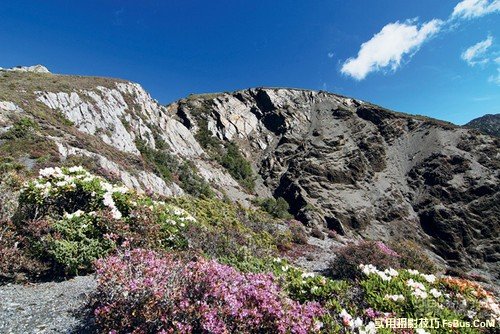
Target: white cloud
476	54
387	48
468	9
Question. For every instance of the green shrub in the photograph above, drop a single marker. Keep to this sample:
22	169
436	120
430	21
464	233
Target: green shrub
348	258
71	218
8	164
227	230
204	137
76	241
277	208
299	235
23	128
226	154
238	166
192	183
164	163
411	294
412	256
169	167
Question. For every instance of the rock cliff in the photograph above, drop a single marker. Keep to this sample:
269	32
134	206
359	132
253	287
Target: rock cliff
344	164
489	124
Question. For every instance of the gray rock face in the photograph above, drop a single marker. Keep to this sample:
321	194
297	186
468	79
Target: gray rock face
345	164
489	124
364	171
114	115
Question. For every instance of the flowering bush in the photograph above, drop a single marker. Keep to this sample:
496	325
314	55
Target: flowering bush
411	294
71	218
353	306
75	241
66	190
413	256
348	258
143	292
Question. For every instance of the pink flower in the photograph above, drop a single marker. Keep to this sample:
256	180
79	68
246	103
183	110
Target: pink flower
385	249
198	296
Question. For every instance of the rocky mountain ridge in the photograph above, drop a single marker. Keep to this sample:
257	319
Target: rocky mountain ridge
353	167
488	124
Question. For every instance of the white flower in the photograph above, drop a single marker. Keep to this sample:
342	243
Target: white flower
435	293
116	213
46	172
391	272
395	297
106	186
358	322
307	275
421	331
415	285
77	213
384	276
318	325
344	314
369	329
346	318
108	201
121	190
429	278
420	293
413	271
368	269
471	314
61	183
285	267
75	169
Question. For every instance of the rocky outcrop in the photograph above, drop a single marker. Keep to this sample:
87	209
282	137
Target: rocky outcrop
115	116
489	124
34	69
340	163
365	171
7	111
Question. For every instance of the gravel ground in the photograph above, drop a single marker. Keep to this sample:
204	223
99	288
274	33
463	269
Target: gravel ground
318	258
53	307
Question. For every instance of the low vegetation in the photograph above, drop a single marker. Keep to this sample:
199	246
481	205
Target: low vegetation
169	168
238	166
202	265
228	155
276	207
347	260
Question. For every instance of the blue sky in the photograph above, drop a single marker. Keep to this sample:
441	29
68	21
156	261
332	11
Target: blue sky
435	58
